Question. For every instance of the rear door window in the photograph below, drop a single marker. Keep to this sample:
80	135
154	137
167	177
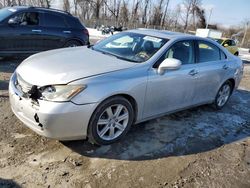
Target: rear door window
208	52
56	21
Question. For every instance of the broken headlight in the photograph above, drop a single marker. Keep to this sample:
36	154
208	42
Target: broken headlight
61	93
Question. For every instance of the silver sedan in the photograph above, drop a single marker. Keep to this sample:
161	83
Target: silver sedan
98	92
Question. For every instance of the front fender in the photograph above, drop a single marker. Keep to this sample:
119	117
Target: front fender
99	88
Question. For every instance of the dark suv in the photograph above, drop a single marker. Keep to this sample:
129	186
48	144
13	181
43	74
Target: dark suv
28	30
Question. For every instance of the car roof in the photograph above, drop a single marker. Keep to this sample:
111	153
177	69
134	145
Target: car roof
19	8
224	38
164	33
173	35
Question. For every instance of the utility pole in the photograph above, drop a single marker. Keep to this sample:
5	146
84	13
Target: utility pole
211	10
244	37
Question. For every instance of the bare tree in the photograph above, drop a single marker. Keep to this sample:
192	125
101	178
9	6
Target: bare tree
43	3
187	8
124	15
164	14
157	16
66	5
195	6
96	5
201	16
145	12
135	13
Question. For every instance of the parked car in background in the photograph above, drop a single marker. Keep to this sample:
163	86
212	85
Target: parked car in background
229	44
99	92
28	30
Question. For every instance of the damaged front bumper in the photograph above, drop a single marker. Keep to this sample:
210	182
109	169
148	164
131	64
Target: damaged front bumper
57	120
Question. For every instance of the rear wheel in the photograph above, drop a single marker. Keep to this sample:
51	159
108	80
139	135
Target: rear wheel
111	121
223	95
72	43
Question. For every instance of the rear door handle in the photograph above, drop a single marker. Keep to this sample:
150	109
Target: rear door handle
193	72
225	67
66	31
37	30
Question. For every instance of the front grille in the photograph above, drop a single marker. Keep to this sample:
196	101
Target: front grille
22	85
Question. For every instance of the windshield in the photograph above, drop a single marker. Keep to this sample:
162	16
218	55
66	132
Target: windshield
130	46
219	41
5	12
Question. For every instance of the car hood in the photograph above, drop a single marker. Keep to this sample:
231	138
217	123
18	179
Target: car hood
65	65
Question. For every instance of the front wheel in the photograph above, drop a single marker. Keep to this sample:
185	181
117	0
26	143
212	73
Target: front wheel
72	43
111	121
223	95
236	53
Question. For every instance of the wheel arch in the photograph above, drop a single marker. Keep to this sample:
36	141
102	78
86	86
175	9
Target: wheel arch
125	96
130	98
232	81
74	39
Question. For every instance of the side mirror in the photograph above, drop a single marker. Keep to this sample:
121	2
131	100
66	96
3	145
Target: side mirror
169	64
12	21
225	45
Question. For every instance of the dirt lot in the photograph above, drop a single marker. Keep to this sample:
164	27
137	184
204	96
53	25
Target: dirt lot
193	148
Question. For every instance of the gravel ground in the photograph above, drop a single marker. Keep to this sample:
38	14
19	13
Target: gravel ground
200	147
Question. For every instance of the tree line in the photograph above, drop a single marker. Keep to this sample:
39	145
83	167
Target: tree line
185	17
129	13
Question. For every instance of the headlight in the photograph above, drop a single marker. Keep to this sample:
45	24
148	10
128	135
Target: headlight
61	93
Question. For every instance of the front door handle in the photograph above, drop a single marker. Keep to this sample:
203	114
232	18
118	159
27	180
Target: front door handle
37	30
193	72
67	32
225	67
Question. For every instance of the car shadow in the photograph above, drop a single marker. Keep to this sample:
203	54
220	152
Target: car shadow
187	132
4	183
246	62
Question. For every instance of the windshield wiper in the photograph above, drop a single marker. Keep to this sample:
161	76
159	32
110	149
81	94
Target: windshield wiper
118	57
126	59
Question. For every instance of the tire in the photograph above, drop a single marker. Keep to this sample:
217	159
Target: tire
236	53
223	95
72	43
105	127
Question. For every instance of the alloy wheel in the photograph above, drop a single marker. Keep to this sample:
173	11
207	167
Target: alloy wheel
223	95
112	122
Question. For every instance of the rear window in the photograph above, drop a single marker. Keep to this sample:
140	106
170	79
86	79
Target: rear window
233	43
74	23
52	20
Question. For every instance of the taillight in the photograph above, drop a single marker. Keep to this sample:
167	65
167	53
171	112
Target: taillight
86	32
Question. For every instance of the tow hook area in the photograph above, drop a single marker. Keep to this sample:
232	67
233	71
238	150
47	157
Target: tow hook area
37	120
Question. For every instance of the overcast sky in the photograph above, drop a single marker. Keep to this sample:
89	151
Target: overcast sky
224	12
